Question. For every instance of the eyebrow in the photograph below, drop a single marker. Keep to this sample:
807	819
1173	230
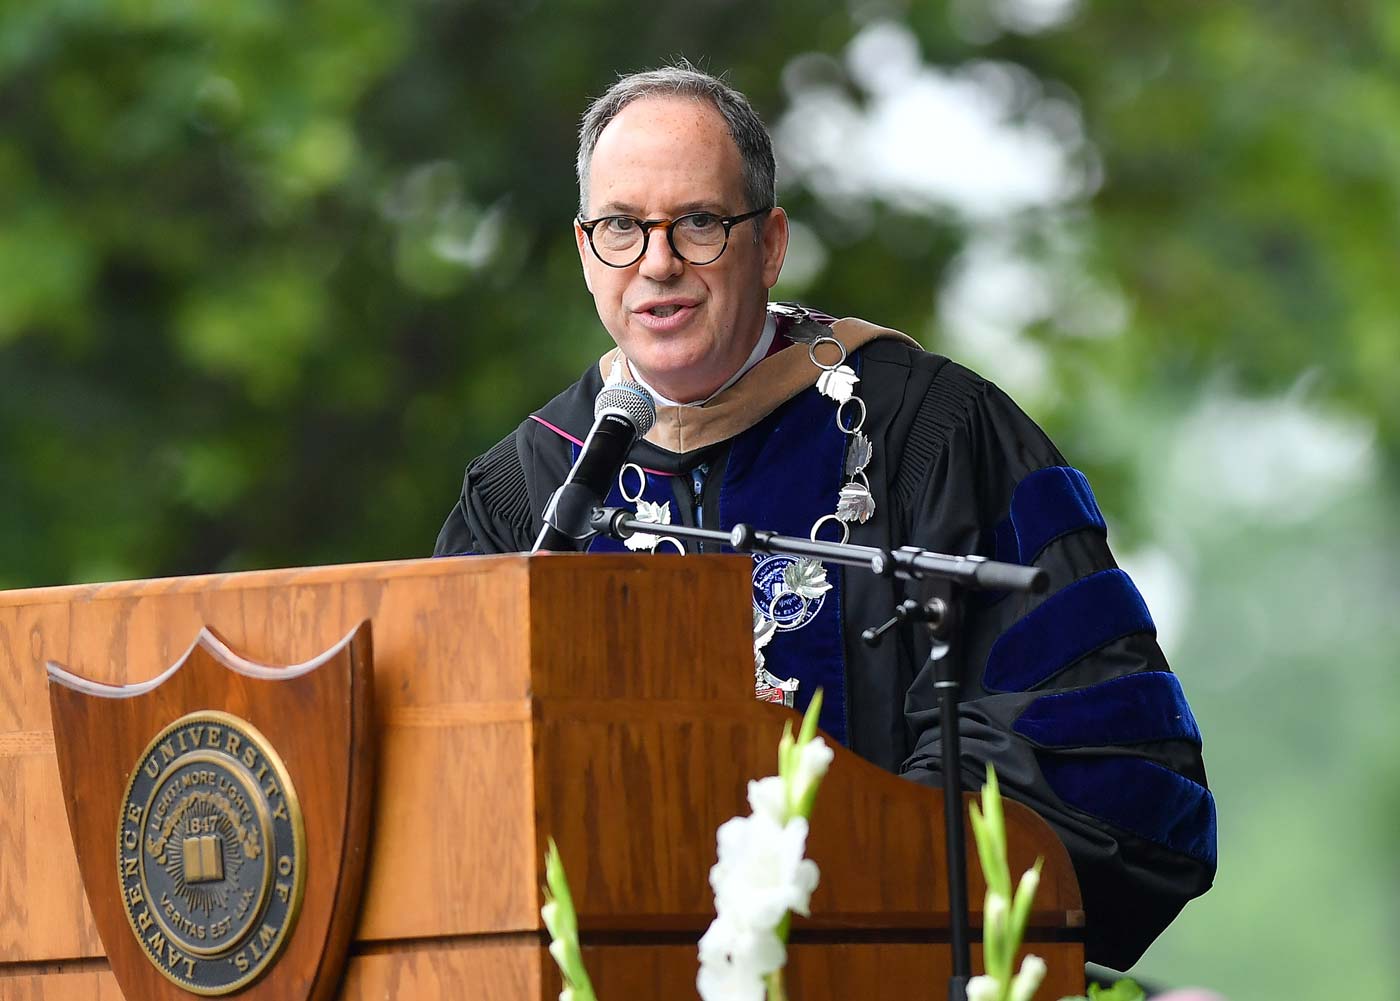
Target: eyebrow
626	208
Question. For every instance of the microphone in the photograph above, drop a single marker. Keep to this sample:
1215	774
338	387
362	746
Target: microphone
622	413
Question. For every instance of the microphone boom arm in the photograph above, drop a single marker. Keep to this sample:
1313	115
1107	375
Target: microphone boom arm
907	562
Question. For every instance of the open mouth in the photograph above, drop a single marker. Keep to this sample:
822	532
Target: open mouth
667	315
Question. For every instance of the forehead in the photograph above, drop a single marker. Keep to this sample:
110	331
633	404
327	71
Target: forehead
661	154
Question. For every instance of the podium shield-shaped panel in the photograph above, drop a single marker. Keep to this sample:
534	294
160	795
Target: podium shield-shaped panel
219	813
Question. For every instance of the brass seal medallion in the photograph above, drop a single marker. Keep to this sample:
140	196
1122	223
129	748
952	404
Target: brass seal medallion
211	852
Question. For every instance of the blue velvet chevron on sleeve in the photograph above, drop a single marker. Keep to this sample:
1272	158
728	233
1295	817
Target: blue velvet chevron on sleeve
1068	626
1147	798
1048	504
1141	796
1134	709
1070	697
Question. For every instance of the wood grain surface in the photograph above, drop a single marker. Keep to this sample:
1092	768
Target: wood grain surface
517	968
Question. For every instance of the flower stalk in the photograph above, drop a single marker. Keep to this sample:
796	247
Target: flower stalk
561	920
761	877
1004	913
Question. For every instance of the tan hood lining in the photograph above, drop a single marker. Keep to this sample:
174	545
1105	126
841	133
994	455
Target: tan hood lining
764	388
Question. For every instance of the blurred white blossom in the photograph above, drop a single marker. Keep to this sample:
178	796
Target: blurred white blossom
761	876
734	959
768	797
813	759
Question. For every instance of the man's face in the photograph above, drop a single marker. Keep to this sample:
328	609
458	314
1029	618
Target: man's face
684	328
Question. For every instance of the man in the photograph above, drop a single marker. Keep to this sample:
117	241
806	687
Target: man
788	420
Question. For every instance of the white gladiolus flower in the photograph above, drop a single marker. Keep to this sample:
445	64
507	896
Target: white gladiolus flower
983	988
726	983
761	874
812	763
550	913
1024	985
731	941
735	958
1030	882
729	983
995	912
769	798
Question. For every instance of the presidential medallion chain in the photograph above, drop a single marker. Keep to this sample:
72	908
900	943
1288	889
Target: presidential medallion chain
793	589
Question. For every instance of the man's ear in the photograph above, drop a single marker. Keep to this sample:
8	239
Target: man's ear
775	244
581	238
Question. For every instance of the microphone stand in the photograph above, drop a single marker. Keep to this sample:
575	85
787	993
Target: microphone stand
940	616
566	518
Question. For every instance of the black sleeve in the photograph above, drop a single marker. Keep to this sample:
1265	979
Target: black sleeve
493	514
1067	693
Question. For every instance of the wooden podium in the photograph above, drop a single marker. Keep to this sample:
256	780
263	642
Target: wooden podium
606	701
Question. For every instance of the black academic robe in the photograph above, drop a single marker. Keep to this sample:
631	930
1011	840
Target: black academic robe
1067	693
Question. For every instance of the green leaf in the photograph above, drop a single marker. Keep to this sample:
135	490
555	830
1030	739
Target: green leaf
999	873
786	743
1123	990
1021	905
809	718
559	894
986	847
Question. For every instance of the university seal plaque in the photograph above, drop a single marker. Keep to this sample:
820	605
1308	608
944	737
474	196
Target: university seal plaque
220	812
211	852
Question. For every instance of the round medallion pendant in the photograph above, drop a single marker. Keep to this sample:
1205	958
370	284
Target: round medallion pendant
772	599
211	853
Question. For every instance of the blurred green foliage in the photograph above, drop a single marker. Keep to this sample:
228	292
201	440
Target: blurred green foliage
270	274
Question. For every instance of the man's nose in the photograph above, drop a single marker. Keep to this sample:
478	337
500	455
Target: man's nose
660	262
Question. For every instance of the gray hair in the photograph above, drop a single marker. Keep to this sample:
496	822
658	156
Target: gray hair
685	81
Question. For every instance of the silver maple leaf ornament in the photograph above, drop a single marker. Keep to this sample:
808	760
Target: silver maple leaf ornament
838	383
860	454
654	514
806	578
855	503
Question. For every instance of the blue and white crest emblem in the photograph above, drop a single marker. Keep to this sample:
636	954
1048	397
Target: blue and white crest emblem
789	590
